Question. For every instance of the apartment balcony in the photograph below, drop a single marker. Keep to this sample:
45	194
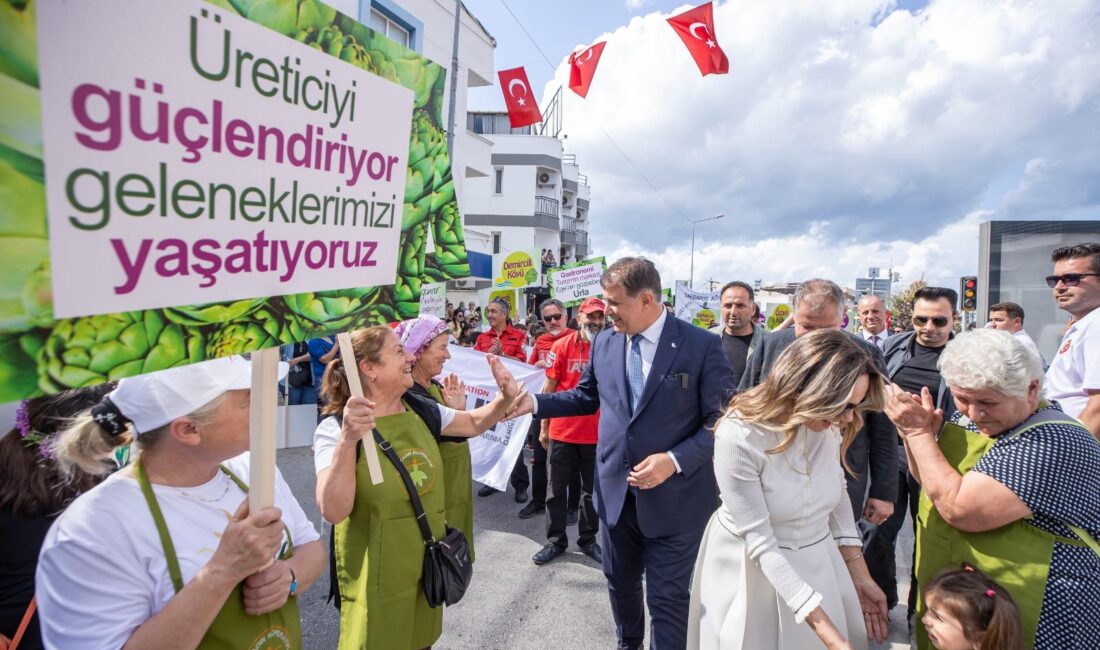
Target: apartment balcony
546	207
568	224
582	237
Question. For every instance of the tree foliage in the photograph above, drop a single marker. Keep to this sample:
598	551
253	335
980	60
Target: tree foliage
901	306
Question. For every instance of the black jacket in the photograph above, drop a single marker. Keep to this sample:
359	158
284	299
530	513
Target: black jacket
897	351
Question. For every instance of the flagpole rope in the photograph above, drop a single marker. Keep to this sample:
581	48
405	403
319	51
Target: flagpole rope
600	126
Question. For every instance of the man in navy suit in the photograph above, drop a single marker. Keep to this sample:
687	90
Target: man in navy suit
659	384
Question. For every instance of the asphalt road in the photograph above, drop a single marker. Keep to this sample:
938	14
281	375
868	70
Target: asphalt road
511	602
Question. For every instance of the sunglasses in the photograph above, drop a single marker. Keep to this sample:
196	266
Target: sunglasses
552	317
938	321
1069	279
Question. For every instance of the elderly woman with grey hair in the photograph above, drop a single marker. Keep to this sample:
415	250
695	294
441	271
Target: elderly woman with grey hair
1008	486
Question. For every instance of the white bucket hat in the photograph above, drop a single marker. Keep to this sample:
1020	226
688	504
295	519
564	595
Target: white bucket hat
153	400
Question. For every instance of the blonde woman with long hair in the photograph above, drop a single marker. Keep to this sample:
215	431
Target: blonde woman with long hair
780	566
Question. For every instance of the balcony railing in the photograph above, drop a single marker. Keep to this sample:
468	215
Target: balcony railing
546	207
568	224
582	237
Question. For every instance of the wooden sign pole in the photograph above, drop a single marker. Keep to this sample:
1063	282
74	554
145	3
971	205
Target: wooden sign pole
262	429
351	369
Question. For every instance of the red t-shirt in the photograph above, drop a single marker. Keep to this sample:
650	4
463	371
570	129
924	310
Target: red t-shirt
511	342
568	358
542	345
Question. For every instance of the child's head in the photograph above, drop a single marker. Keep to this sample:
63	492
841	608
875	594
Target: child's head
968	611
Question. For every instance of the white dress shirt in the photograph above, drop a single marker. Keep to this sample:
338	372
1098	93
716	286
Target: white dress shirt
648	346
881	342
1022	335
1075	369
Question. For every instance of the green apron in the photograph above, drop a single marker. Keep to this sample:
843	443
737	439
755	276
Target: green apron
233	628
458	481
1017	556
378	548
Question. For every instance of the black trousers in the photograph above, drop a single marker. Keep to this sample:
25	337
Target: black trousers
879	547
537	481
566	460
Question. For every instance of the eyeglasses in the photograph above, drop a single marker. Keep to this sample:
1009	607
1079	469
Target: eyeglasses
1069	279
938	321
552	317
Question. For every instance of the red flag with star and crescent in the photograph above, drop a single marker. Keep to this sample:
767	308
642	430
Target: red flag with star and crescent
523	110
695	27
582	67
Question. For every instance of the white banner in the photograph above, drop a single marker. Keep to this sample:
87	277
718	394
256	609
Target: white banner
700	308
494	452
572	283
195	157
433	299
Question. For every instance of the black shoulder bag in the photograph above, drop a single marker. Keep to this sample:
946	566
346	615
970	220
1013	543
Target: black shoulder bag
447	568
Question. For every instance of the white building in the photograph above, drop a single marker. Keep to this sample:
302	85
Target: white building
535	197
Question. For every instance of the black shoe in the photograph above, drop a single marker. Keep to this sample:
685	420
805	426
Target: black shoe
486	491
573	517
531	510
521	496
593	551
548	553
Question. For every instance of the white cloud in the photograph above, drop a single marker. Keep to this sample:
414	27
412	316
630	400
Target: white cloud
844	131
634	4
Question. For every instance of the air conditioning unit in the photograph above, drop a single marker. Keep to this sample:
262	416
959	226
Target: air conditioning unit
544	178
565	200
465	283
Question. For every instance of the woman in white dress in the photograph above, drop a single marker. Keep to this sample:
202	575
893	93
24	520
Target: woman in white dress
780	566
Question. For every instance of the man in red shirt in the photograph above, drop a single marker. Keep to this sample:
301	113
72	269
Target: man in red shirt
571	441
502	339
554	318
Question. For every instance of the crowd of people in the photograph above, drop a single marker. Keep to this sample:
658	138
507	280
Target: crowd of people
745	487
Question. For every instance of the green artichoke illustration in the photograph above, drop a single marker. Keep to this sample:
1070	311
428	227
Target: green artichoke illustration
337	310
18	352
288	17
214	313
262	328
90	350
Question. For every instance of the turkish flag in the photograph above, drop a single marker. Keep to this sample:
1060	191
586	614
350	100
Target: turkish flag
582	67
523	110
695	28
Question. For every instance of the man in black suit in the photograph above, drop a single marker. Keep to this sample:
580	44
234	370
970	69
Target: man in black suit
819	304
659	384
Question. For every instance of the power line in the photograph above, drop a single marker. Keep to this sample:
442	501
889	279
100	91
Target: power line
607	135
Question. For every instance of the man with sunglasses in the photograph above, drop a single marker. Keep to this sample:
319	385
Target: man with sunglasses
1073	378
911	363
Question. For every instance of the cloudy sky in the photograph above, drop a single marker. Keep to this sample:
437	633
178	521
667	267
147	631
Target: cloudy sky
848	133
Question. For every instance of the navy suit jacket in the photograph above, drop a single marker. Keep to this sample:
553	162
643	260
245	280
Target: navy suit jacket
686	391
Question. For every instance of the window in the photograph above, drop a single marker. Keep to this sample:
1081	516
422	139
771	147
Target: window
496	243
382	24
498	180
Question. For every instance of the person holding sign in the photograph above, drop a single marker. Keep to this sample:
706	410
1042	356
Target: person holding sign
378	547
164	553
426	338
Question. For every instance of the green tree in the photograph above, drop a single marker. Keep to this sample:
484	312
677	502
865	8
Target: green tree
901	306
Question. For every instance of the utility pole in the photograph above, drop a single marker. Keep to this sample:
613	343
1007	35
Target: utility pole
691	277
454	85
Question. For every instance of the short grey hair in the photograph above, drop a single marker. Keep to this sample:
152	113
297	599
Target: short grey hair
989	359
817	293
551	302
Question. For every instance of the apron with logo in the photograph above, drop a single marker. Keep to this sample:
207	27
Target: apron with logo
1017	556
458	480
378	548
233	628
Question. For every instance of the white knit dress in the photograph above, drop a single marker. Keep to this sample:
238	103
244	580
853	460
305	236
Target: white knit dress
770	553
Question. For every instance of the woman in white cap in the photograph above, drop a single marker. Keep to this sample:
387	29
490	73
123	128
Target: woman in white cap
164	553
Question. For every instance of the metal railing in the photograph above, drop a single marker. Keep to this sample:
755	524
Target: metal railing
582	237
568	224
546	207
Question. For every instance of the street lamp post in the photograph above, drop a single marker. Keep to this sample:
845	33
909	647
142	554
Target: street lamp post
691	279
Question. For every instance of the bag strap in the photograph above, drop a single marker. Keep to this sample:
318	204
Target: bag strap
414	497
1085	537
23	624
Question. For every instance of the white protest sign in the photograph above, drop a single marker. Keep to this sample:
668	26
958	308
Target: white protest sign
433	299
494	452
701	308
195	157
572	283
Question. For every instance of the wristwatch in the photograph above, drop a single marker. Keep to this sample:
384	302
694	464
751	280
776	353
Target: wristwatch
293	583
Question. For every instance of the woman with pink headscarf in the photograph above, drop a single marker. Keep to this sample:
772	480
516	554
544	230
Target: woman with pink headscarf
427	339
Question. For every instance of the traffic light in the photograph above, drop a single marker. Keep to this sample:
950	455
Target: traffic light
968	293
